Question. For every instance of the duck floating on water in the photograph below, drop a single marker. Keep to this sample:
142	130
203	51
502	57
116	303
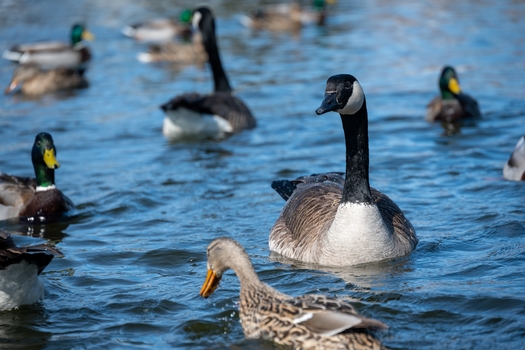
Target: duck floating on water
35	199
453	104
52	54
33	80
304	322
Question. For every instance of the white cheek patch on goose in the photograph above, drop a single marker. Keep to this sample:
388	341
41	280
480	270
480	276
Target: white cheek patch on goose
355	102
196	19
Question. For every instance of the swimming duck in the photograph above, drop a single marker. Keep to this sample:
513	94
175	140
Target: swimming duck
34	80
514	169
35	199
286	17
305	322
20	267
453	105
50	54
336	221
211	116
160	29
191	52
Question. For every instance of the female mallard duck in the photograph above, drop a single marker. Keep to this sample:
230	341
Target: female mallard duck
36	199
333	221
52	54
306	322
453	105
160	29
20	267
286	17
211	116
514	169
33	80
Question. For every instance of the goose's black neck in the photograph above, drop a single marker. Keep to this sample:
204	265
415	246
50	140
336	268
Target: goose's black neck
357	184
212	49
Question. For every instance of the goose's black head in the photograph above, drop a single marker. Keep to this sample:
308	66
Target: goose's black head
202	19
343	94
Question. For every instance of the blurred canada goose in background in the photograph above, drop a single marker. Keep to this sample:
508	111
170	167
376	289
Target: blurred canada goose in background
160	30
333	221
50	54
209	116
514	169
287	16
37	198
20	267
34	80
306	322
452	105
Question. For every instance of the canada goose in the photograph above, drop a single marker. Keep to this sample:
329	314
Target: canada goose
305	322
20	267
51	54
514	169
452	105
33	80
286	16
160	29
335	222
211	116
35	199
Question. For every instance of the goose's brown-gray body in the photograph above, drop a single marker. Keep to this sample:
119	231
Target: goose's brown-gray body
333	220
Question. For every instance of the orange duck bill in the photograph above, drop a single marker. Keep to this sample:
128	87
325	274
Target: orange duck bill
211	283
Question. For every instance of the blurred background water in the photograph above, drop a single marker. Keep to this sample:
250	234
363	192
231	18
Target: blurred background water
146	209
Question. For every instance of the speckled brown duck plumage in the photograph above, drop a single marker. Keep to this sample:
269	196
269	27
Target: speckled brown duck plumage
35	81
36	199
304	322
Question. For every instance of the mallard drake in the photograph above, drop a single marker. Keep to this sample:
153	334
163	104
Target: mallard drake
305	322
34	80
514	169
36	199
160	29
50	54
452	105
211	116
286	17
20	267
336	221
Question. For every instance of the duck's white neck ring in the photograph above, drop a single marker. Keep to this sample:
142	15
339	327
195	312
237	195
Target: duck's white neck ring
46	188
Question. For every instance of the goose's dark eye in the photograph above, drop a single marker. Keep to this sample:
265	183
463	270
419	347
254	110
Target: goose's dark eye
38	143
348	85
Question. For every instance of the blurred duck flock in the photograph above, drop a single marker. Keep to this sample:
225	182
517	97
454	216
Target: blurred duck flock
262	174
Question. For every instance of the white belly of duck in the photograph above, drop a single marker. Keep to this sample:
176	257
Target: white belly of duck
357	235
20	285
184	123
